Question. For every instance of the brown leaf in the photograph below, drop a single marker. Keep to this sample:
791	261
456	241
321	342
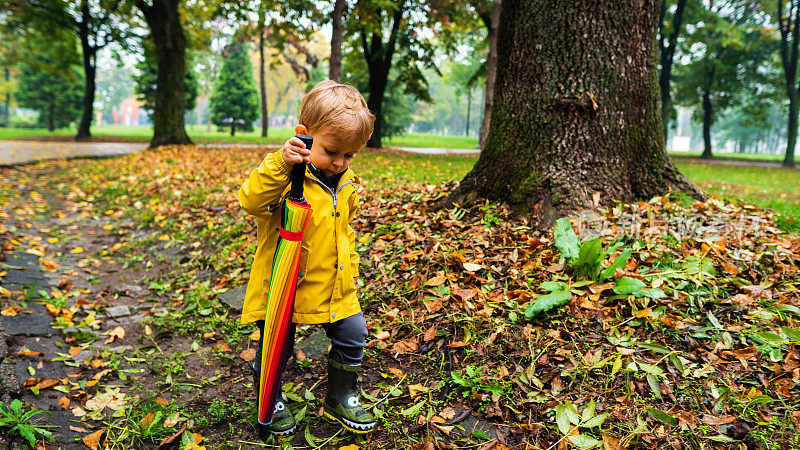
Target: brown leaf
433	306
404	346
248	355
458	344
167	441
74	350
63	402
611	443
430	333
162	401
93	440
721	420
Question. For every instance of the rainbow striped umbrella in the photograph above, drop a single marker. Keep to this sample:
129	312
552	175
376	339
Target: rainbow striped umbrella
280	296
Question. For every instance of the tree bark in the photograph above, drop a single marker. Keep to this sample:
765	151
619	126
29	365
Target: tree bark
261	81
788	159
379	61
335	63
576	111
378	80
667	55
89	70
163	19
469	105
708	116
51	110
491	70
6	110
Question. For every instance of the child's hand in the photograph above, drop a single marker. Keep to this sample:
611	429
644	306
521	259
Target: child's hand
295	151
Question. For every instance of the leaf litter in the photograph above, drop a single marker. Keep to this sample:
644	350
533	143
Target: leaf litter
663	322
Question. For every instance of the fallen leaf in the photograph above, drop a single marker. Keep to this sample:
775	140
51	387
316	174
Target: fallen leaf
416	389
430	333
171	439
404	346
93	440
116	333
470	267
74	350
63	402
248	355
172	421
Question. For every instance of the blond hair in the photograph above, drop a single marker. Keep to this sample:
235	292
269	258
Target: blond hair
340	109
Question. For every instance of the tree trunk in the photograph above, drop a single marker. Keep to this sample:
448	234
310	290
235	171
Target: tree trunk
166	30
378	80
51	110
491	71
379	60
707	120
469	104
233	128
576	112
89	70
788	159
667	46
261	81
335	63
7	109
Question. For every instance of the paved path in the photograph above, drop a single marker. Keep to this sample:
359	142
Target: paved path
23	152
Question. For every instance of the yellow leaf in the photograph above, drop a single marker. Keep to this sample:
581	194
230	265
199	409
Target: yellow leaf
77	250
164	237
117	332
108	227
93	440
52	240
350	447
11	310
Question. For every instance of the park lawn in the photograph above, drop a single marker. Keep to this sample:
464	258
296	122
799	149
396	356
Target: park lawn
767	187
203	134
688	363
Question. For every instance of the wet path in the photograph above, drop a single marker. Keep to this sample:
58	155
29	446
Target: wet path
23	152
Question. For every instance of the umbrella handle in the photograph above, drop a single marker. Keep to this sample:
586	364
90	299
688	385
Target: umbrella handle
299	171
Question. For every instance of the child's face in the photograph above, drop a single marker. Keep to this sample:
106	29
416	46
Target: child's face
331	154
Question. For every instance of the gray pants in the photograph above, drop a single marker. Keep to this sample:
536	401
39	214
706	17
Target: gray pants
348	338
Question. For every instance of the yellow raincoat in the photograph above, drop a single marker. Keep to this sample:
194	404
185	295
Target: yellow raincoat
328	264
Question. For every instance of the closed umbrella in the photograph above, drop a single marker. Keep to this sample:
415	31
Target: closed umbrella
280	295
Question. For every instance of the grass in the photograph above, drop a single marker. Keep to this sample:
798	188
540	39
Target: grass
767	187
201	134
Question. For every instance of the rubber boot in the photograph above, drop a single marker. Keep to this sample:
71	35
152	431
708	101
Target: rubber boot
341	401
283	424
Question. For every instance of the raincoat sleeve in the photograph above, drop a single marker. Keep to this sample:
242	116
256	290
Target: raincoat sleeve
351	236
265	185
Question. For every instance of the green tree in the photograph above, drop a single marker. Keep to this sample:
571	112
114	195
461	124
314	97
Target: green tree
571	129
96	23
725	50
399	105
670	27
50	82
390	36
145	87
234	101
786	14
